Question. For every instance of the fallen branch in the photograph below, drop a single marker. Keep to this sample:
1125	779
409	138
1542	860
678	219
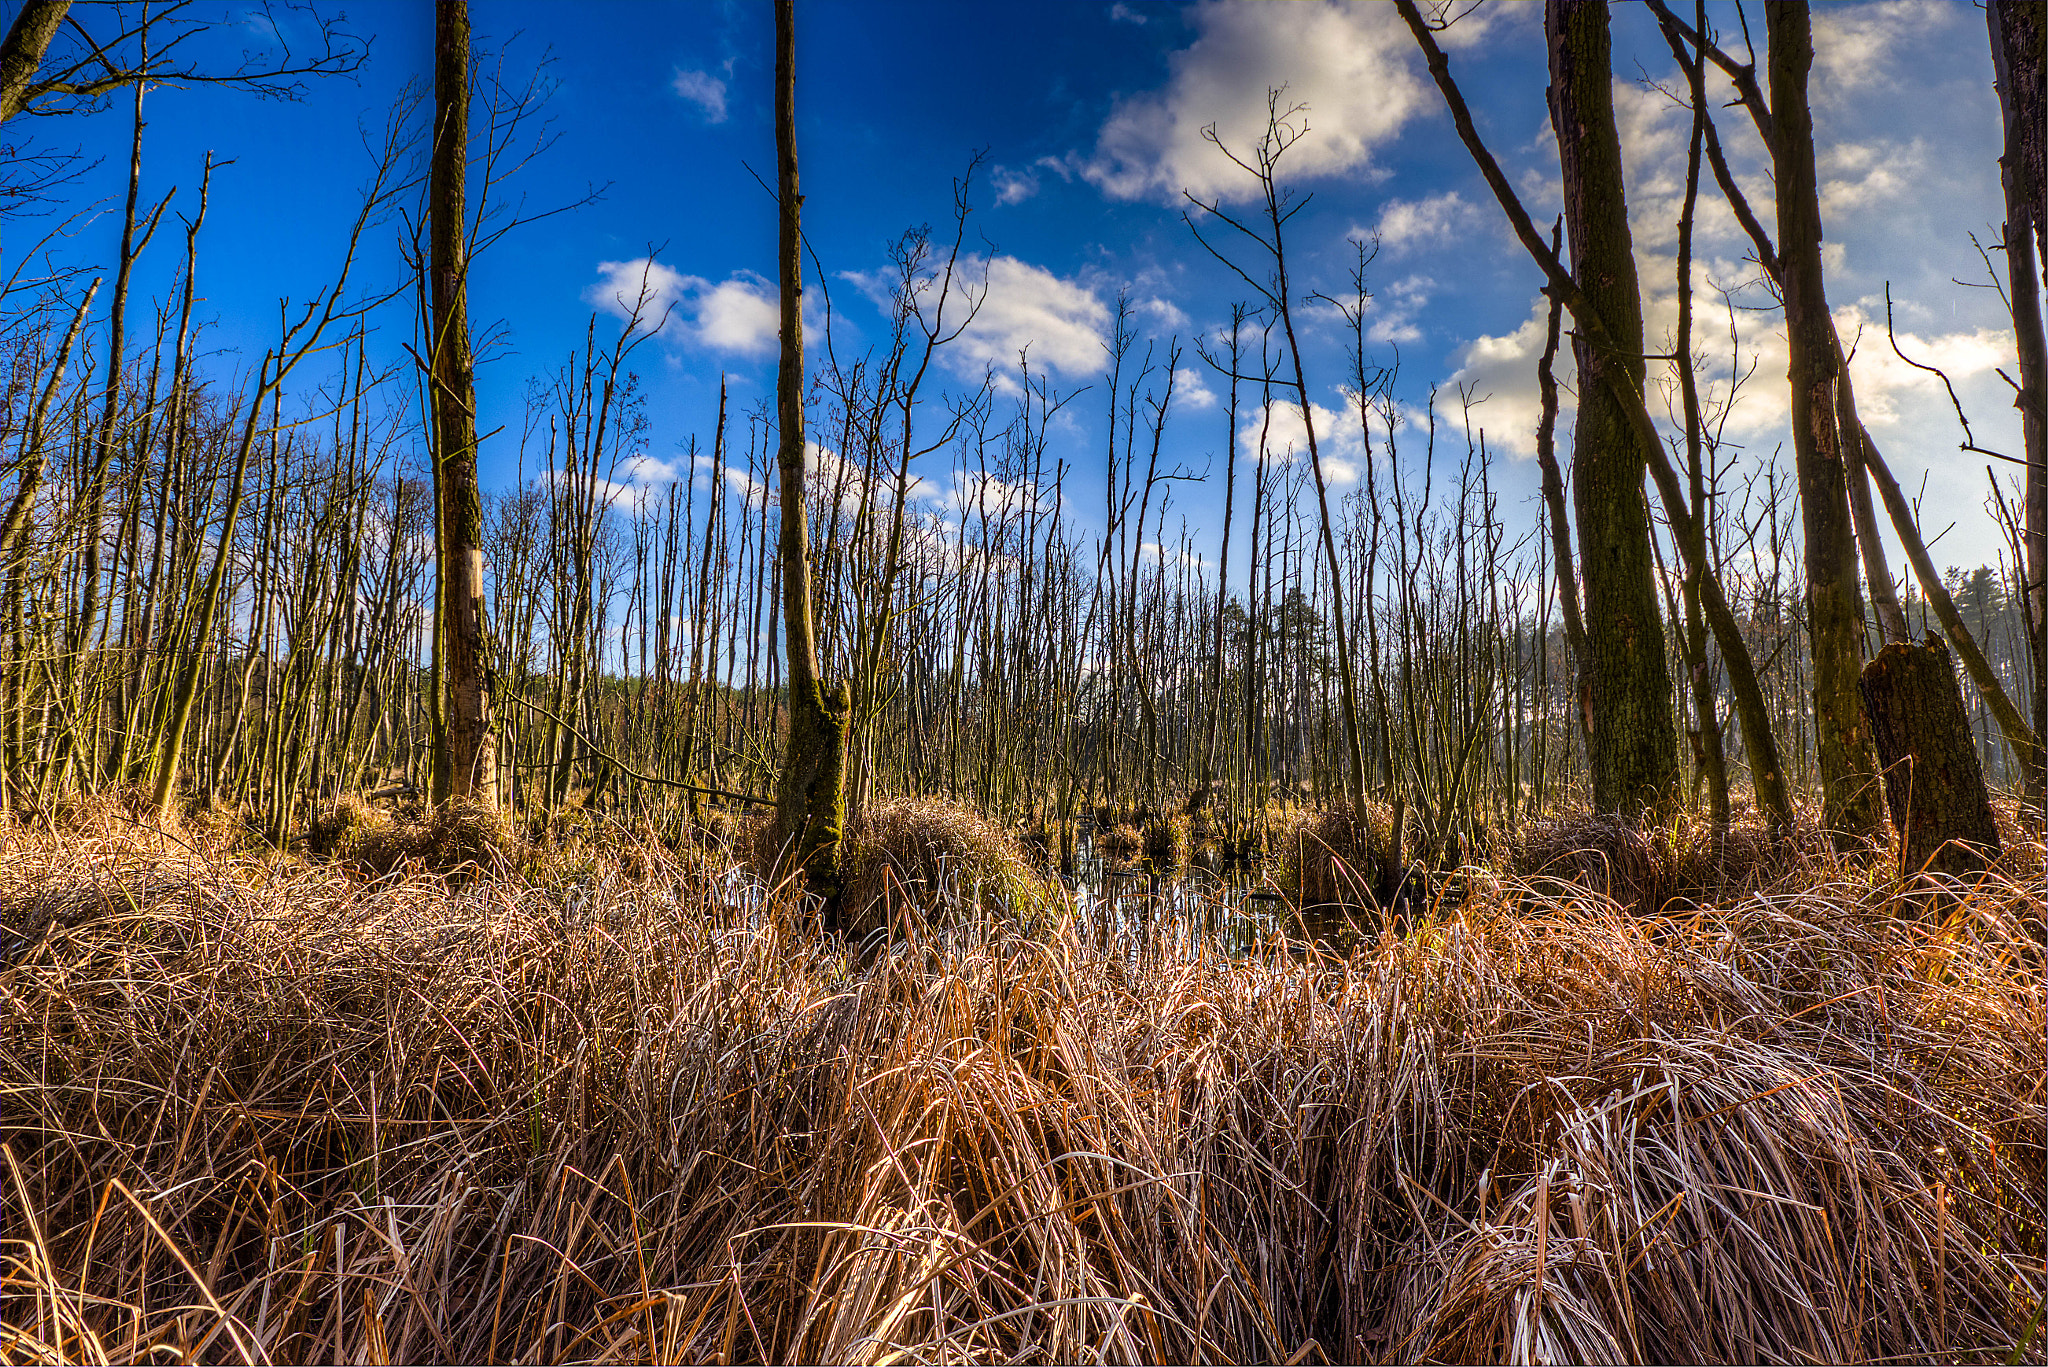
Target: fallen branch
631	772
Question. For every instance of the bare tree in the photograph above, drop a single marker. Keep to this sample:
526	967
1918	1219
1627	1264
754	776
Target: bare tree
810	799
1766	771
1632	738
1284	128
2019	55
466	763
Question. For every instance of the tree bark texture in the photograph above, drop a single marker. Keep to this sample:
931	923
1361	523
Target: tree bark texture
469	766
28	38
810	810
1633	737
1932	781
2019	52
1834	597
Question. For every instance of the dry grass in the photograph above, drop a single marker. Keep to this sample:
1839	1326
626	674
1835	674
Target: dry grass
1169	838
457	838
1121	843
1333	856
275	1111
909	857
1675	866
1678	866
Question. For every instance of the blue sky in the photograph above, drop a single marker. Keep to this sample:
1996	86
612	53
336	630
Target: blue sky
1090	115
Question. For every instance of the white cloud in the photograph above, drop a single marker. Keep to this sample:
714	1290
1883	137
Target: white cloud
1500	374
1062	322
1393	311
1167	314
1013	187
650	471
1853	44
739	315
641	287
1865	175
1883	380
1438	220
702	89
1124	14
1352	66
1340	442
1191	390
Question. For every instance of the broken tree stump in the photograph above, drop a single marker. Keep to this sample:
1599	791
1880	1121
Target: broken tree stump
1932	781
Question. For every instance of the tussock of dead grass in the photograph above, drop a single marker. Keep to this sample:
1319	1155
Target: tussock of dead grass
1677	865
1169	838
270	1112
1333	856
1653	866
1121	843
457	837
908	857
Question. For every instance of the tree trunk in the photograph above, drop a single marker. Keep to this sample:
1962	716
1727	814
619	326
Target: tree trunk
2019	53
469	768
1932	781
1834	599
1560	526
810	807
1200	795
1706	733
1633	747
2025	743
28	38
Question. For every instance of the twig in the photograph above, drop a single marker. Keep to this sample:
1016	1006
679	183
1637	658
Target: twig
631	772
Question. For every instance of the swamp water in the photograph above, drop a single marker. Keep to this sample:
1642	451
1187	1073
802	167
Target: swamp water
1130	909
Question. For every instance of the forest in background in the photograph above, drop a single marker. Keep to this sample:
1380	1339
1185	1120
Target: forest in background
223	588
574	922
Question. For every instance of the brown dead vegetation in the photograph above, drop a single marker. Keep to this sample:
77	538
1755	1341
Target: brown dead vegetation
907	857
257	1109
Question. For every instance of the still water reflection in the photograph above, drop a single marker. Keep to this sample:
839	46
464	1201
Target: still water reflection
1129	910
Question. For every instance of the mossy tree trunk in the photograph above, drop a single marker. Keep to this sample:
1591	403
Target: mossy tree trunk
1932	781
810	807
1834	599
1633	737
467	766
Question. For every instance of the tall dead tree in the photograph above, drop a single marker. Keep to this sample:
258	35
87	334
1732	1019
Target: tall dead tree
810	807
1766	770
466	765
1712	766
1834	598
1200	794
2019	56
1862	461
1561	556
1633	738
